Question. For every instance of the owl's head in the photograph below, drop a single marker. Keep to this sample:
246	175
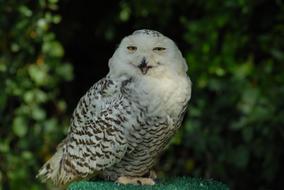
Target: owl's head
147	53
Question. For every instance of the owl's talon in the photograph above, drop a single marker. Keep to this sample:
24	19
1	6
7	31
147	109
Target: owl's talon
135	180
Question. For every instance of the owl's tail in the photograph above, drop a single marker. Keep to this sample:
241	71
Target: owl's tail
55	171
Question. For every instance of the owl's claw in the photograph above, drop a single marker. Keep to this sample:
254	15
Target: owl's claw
135	180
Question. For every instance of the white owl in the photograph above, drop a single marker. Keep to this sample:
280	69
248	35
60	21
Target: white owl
124	122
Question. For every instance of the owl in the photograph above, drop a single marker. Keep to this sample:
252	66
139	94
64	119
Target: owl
123	123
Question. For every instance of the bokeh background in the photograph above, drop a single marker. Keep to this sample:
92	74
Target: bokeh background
51	52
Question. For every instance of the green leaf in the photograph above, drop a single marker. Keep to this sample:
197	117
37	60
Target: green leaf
38	73
61	105
42	24
50	125
27	155
65	71
241	71
56	19
25	11
20	126
35	96
53	49
124	13
52	1
3	66
249	98
38	113
4	146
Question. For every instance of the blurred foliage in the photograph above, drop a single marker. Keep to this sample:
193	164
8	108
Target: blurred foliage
233	131
31	114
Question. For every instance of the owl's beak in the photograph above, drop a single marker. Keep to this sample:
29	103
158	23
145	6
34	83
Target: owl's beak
144	67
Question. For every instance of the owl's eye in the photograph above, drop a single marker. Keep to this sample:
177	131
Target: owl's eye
132	48
159	49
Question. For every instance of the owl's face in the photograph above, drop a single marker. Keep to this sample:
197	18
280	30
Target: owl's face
147	53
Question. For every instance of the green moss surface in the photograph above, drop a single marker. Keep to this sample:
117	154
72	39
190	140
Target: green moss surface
181	183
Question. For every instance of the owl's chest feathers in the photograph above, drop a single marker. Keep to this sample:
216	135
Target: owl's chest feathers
163	97
157	105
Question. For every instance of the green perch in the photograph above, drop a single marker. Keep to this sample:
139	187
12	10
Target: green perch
181	183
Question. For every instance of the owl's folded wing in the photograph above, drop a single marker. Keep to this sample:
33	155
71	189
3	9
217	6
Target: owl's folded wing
96	138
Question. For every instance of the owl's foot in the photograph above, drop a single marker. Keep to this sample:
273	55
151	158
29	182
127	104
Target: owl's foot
135	180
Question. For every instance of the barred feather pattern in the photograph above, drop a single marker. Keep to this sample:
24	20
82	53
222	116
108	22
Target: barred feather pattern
96	139
114	133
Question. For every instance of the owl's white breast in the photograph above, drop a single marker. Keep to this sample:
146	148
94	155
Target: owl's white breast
164	96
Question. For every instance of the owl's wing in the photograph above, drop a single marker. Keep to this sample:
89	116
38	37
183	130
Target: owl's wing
96	138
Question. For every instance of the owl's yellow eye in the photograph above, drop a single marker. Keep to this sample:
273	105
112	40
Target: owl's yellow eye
159	49
132	48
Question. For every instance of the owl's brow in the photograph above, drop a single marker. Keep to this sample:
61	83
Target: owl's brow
148	32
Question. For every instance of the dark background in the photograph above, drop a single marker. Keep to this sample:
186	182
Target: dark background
90	32
52	52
